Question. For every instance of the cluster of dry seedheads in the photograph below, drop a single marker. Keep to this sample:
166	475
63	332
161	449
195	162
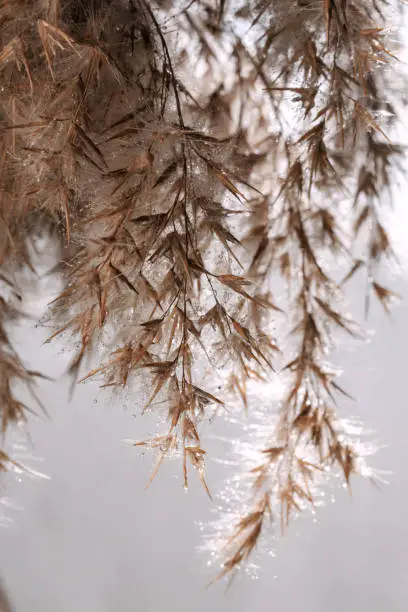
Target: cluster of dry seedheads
188	155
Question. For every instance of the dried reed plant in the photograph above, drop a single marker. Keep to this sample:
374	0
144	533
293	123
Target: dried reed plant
195	159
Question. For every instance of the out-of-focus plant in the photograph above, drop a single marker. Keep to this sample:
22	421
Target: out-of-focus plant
214	170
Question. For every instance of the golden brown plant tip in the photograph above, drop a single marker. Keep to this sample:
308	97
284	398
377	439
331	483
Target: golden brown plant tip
215	173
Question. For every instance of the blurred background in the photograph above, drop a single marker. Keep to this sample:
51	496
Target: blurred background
92	539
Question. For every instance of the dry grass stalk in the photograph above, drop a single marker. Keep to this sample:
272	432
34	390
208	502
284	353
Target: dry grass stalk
183	198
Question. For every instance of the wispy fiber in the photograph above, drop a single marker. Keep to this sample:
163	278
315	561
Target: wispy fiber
188	155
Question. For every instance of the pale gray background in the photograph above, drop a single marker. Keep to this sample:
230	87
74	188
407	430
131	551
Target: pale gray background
91	539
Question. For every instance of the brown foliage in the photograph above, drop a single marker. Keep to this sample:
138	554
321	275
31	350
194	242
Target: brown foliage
182	198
